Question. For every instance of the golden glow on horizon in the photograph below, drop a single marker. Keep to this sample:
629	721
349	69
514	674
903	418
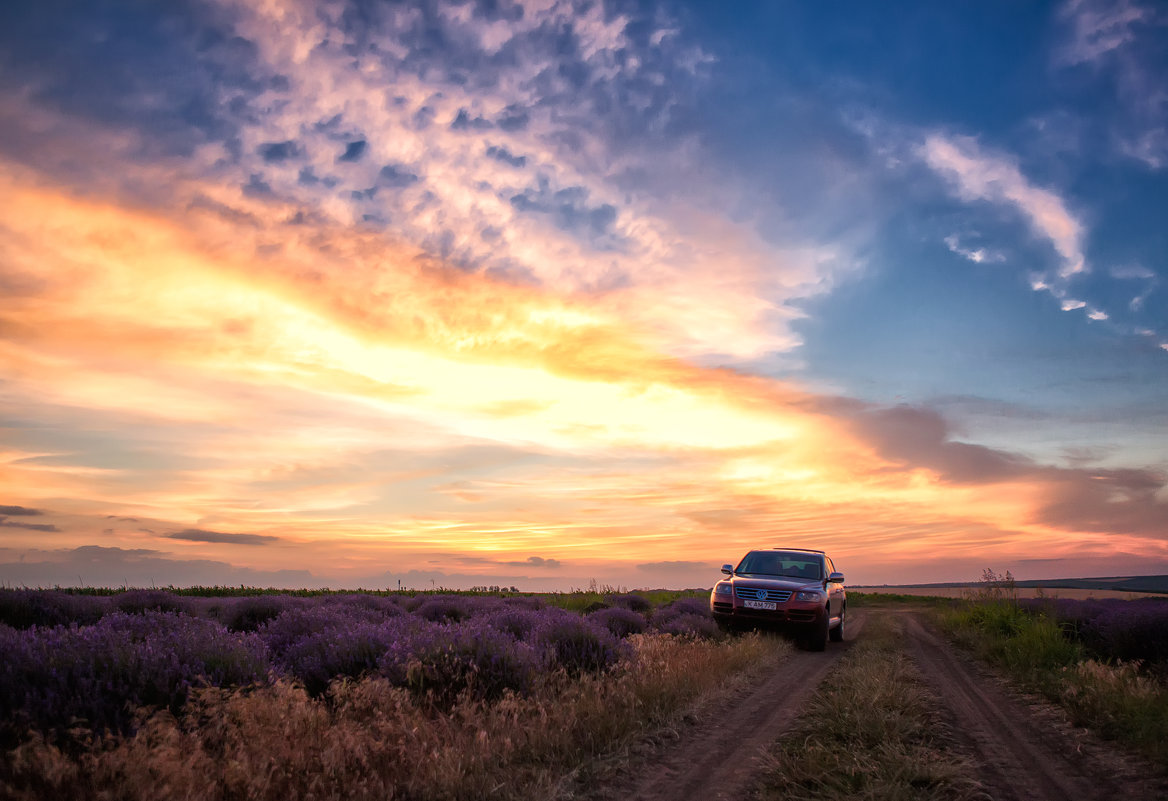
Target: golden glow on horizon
359	403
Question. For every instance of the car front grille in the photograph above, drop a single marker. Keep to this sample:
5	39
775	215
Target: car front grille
762	594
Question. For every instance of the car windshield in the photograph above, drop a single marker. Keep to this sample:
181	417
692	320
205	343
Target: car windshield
780	563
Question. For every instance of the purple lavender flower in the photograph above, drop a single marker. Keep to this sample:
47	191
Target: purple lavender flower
620	621
575	644
24	608
443	609
632	601
444	661
348	650
137	601
249	613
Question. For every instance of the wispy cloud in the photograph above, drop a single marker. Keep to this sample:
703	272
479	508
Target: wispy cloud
202	535
977	175
20	511
44	527
1122	43
995	178
1099	27
976	255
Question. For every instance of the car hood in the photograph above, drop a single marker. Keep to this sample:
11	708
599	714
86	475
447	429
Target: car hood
778	582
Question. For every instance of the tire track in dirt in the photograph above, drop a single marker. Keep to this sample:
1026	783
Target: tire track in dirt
718	757
1021	757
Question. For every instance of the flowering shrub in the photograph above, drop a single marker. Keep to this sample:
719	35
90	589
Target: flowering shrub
700	627
443	608
297	622
532	602
631	601
576	644
516	621
442	662
386	607
620	621
248	614
137	601
343	651
683	606
23	608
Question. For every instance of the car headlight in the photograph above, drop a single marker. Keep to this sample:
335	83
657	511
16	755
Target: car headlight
723	589
809	595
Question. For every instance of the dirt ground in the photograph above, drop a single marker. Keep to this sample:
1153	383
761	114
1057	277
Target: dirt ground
1023	748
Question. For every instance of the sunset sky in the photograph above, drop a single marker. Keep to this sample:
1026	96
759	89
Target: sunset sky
460	293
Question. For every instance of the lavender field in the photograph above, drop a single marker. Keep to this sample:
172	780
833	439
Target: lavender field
1111	629
100	662
153	695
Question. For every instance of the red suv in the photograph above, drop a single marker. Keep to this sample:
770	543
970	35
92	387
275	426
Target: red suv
788	588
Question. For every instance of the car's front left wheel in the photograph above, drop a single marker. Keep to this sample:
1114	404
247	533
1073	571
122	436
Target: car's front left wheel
816	639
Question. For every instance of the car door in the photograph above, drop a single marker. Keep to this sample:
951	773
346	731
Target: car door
835	592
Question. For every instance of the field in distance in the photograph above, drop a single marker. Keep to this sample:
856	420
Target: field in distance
1128	587
962	591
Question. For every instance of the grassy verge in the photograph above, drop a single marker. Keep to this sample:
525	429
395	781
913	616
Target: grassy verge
867	599
368	740
872	731
1118	701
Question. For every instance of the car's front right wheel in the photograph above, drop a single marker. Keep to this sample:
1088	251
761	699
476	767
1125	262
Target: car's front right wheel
837	634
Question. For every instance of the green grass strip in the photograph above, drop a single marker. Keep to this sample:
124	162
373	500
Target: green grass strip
872	731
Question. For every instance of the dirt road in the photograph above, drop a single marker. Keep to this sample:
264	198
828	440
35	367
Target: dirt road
716	756
1023	749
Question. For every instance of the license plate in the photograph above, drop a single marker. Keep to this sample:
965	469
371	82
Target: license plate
771	605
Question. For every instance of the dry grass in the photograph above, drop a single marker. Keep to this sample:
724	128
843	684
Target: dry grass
873	731
368	740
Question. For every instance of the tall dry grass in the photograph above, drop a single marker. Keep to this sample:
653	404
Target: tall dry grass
369	740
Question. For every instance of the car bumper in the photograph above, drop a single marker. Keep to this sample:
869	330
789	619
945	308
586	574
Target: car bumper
788	614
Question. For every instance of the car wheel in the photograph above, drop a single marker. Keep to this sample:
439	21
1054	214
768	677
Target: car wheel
837	634
817	635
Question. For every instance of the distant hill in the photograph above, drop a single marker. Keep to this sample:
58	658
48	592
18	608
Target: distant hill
1113	583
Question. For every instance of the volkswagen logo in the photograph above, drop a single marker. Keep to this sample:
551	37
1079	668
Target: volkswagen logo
762	595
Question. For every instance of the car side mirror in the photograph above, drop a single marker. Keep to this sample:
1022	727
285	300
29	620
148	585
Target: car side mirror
728	569
835	578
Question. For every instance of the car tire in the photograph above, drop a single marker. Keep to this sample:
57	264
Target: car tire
837	634
817	636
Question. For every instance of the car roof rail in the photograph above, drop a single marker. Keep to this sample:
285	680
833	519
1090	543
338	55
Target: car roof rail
808	550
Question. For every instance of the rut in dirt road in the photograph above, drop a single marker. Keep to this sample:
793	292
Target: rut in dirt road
1021	758
720	760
